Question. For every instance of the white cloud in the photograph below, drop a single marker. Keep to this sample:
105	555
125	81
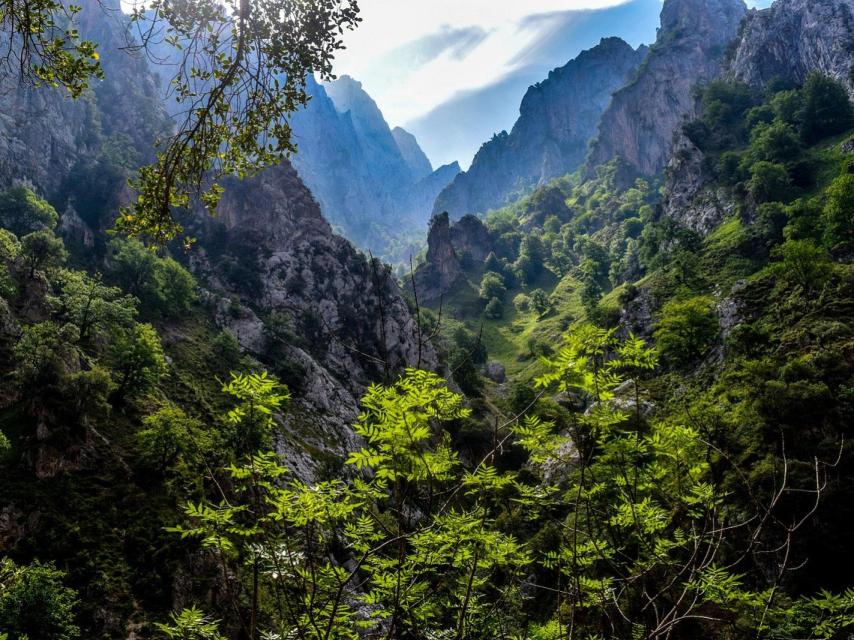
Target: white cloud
381	51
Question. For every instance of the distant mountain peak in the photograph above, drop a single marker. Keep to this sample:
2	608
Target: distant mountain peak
557	119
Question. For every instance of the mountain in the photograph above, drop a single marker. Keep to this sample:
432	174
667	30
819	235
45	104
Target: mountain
558	117
690	49
415	158
456	128
792	38
779	45
275	290
374	185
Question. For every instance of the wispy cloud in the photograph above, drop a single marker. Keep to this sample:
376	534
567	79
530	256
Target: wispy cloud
413	56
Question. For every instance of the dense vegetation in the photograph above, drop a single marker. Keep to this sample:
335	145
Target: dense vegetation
667	460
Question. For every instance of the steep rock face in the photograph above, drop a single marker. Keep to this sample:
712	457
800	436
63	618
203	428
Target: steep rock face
689	196
792	38
44	133
449	248
374	185
348	322
469	236
441	270
558	117
787	41
378	143
640	123
415	158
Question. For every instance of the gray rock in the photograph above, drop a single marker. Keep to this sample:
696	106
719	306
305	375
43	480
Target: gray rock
793	38
495	371
643	117
558	117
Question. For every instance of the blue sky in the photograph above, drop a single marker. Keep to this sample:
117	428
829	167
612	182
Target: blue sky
454	71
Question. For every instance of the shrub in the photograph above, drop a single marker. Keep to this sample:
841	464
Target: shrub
35	604
826	108
769	182
685	329
802	262
494	309
838	215
492	286
22	212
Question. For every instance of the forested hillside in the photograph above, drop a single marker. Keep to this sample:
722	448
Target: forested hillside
617	407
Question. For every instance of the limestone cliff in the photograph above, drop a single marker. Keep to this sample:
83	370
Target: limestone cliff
787	42
557	119
374	185
640	124
792	38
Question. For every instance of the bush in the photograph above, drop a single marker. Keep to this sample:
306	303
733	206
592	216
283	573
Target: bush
35	604
838	215
802	262
686	329
776	142
826	108
494	309
540	302
522	303
769	182
22	212
41	250
492	286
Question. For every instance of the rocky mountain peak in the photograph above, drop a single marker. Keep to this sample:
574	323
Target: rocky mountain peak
557	119
417	160
640	123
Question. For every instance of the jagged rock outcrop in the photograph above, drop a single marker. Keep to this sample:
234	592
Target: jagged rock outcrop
373	184
640	124
451	248
441	270
792	38
349	323
470	237
45	134
690	195
558	117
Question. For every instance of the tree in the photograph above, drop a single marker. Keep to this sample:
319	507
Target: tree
170	438
138	359
827	110
838	215
777	142
42	250
494	310
22	212
540	302
9	250
91	306
529	264
803	263
686	328
769	182
492	263
492	286
522	303
35	604
41	353
176	288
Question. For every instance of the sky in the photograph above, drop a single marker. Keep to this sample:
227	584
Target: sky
453	72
